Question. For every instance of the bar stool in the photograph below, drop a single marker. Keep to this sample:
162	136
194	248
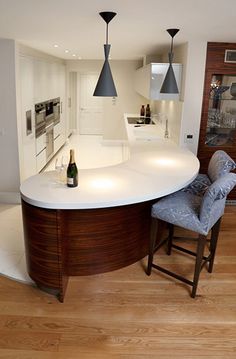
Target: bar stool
199	208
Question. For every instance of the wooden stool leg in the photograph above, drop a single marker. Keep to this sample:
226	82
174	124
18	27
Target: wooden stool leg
170	238
153	235
213	244
200	252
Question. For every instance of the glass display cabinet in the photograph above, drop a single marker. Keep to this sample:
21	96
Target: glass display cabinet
218	118
221	122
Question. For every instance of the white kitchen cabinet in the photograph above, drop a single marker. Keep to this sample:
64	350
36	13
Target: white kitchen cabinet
40	80
57	130
27	119
58	143
41	160
59	136
62	86
149	79
40	143
49	80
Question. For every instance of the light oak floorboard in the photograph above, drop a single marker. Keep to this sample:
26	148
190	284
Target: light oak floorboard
126	314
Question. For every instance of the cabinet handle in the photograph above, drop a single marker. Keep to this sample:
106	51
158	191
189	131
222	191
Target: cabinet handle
61	107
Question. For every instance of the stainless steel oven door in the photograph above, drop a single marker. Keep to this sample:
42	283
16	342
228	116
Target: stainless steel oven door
40	112
49	141
56	110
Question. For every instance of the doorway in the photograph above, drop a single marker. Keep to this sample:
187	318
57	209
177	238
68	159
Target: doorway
90	107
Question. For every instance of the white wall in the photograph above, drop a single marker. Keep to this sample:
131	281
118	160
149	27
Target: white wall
185	115
128	101
194	83
9	160
173	110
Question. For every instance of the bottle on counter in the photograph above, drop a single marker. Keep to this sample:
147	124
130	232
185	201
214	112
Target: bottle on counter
148	111
72	171
142	111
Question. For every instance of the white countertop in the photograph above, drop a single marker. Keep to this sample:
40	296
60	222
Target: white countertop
156	167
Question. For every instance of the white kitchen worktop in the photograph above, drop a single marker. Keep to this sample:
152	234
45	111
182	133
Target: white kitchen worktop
156	167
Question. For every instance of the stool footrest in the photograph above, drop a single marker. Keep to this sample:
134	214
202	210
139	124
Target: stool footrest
174	275
188	251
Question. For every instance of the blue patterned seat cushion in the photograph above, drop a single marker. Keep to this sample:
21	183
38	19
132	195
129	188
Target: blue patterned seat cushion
181	209
199	185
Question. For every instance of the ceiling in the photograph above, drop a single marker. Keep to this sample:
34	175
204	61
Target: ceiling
139	28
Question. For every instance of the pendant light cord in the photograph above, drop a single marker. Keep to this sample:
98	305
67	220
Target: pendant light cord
107	35
171	48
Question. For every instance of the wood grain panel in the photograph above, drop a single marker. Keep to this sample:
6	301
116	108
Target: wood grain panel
62	243
44	253
101	240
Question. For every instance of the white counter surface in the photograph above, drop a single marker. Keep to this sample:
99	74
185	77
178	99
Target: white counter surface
156	167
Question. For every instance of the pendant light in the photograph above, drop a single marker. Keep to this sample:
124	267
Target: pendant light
169	84
105	85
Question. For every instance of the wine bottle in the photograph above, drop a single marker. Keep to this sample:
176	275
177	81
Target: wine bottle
72	171
142	111
148	111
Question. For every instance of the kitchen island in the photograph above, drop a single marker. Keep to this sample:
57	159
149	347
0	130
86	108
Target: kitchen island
103	224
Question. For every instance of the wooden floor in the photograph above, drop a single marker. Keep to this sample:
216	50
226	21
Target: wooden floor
125	314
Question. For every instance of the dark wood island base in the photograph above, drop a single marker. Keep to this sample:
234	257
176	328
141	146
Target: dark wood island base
73	242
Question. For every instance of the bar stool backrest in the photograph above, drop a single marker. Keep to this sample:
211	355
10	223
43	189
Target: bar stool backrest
220	164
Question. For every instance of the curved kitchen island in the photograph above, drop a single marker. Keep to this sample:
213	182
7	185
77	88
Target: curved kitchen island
103	224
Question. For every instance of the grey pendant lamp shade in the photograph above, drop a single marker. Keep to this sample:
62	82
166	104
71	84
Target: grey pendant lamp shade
105	85
169	84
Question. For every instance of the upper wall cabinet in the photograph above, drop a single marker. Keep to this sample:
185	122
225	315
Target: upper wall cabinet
49	80
149	79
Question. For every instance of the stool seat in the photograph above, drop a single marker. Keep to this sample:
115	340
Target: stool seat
181	209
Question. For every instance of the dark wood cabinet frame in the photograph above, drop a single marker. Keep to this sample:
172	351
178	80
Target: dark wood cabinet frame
215	65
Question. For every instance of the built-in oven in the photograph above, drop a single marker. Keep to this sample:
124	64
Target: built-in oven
49	112
56	110
40	120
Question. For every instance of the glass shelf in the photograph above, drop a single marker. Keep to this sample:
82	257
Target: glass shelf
221	123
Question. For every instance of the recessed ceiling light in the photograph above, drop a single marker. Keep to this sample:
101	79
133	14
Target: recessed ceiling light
79	58
55	45
74	55
66	51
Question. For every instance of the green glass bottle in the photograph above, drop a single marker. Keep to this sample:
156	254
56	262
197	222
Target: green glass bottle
72	171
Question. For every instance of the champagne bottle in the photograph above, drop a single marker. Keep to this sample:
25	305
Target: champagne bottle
72	171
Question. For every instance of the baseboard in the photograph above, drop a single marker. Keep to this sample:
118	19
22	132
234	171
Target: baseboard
10	197
231	202
114	142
